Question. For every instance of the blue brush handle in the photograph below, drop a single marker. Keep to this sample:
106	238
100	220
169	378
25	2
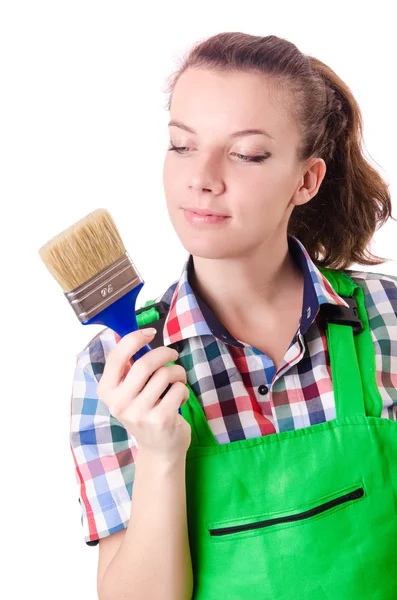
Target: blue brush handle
121	318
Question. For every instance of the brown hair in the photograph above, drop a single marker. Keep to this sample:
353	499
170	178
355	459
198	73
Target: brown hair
339	222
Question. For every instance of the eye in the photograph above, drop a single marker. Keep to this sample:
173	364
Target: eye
177	148
257	159
244	158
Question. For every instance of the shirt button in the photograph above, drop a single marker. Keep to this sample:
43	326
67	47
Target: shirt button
263	389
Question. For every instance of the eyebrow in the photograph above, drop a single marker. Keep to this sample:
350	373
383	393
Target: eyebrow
175	123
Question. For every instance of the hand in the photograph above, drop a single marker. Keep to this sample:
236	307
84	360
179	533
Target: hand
132	390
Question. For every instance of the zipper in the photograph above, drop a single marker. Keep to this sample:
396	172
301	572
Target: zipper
354	495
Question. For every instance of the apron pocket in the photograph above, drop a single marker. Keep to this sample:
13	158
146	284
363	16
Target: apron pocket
355	494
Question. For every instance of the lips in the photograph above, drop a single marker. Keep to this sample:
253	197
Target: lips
205	212
203	219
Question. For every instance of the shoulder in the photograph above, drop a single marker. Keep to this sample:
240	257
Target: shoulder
380	294
370	276
380	298
92	358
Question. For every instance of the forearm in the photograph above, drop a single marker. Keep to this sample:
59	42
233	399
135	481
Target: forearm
153	561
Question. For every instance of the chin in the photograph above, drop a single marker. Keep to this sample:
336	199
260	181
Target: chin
204	247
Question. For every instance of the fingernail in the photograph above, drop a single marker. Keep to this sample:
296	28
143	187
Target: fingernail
149	332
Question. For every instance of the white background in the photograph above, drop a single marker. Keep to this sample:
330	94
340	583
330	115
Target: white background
82	126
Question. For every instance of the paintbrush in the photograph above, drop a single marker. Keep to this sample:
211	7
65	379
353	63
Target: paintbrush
90	263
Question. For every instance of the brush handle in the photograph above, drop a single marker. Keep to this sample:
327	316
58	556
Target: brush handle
120	317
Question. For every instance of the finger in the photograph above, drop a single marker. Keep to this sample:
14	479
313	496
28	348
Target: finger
177	395
143	369
150	395
120	357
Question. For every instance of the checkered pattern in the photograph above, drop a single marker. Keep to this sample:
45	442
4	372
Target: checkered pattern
241	393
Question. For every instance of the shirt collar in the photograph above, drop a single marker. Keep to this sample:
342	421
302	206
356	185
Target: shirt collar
190	316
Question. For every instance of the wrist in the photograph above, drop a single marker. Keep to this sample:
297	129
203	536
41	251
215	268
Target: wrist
159	463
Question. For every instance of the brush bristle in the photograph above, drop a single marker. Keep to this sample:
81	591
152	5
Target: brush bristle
83	249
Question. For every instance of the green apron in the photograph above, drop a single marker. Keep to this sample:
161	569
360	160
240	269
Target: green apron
309	514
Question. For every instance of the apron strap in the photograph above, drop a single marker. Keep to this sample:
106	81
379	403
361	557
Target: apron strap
352	351
345	372
194	414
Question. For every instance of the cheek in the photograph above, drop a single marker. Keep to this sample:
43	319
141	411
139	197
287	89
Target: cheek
254	216
264	193
262	212
167	171
171	183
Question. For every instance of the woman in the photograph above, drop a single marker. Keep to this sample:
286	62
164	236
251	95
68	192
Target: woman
278	480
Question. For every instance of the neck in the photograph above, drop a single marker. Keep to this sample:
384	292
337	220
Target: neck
245	287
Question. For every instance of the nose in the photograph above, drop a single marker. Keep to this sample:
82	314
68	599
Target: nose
198	186
207	181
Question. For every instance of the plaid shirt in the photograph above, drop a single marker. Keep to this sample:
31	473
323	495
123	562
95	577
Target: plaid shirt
237	385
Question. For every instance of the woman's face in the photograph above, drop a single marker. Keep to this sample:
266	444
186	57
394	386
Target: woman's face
212	173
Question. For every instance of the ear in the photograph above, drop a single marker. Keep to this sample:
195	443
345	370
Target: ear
311	178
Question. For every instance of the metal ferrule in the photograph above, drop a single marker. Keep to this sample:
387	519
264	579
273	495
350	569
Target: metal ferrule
104	289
